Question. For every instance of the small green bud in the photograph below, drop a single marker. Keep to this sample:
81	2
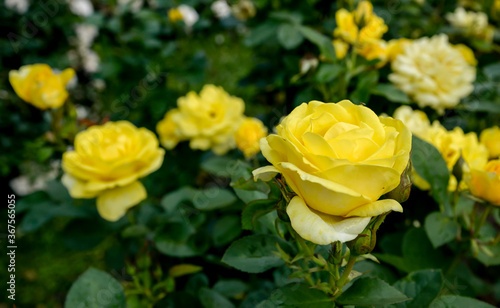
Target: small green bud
402	192
363	243
458	169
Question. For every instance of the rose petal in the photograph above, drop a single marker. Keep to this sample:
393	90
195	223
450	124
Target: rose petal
321	228
113	204
376	208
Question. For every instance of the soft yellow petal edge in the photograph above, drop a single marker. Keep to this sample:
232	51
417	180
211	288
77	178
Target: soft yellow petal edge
376	208
321	228
112	204
265	174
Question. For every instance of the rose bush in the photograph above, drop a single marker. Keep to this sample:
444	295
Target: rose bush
339	159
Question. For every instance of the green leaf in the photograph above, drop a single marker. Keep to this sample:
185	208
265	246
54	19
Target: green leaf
298	295
490	260
254	210
422	287
366	82
230	288
293	18
95	288
37	217
183	269
430	165
418	252
176	239
289	36
171	201
323	42
57	192
455	301
226	229
328	72
212	299
135	231
261	34
213	198
482	106
492	71
249	190
372	269
440	228
391	92
367	291
254	253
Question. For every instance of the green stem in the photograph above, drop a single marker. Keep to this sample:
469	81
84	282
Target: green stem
482	219
345	274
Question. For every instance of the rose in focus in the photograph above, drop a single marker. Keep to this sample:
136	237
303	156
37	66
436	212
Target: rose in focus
339	159
107	162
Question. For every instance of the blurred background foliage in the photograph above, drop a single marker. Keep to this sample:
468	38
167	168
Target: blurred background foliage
145	63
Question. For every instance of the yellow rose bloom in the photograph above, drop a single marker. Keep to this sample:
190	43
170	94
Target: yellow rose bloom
433	73
339	159
209	120
416	120
248	136
346	27
485	182
107	162
38	85
490	138
467	53
243	10
341	48
396	47
374	50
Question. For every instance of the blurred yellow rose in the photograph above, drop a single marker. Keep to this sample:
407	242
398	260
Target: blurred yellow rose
243	10
107	162
248	136
433	73
396	47
362	29
209	120
467	53
339	159
451	144
490	138
174	15
38	85
341	48
485	183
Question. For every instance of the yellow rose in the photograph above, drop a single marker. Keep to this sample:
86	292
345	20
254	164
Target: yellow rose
485	183
467	53
473	24
248	136
38	85
433	73
374	50
396	47
339	159
490	138
360	26
346	27
107	162
341	48
174	15
209	120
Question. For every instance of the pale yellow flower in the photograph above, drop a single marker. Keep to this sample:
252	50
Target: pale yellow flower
474	24
248	136
107	162
490	138
339	159
374	50
243	10
416	120
433	73
38	85
208	120
485	182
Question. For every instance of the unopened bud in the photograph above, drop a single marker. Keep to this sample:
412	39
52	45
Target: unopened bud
402	192
335	256
363	243
458	168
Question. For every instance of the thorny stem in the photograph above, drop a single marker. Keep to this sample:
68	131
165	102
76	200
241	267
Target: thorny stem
345	274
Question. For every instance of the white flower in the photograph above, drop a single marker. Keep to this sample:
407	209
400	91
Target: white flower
221	9
189	15
90	60
81	7
433	73
135	5
24	185
469	22
20	6
86	34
